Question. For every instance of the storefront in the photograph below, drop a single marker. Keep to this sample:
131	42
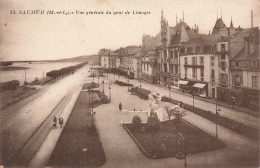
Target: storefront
201	89
250	98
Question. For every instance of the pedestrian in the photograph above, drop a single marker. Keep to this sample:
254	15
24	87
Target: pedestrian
134	109
120	106
61	121
181	104
54	122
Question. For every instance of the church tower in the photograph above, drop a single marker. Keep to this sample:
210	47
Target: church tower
164	31
231	30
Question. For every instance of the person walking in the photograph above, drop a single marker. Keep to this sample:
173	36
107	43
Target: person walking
54	122
61	121
120	106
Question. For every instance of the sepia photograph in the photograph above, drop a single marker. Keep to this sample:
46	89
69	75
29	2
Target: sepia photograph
129	83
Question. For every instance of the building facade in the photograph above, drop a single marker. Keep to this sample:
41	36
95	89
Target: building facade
243	89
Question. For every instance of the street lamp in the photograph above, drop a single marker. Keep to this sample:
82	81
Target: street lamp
109	92
193	94
182	154
91	92
217	115
169	87
128	84
140	84
103	86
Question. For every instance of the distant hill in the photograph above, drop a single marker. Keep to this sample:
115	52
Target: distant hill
83	58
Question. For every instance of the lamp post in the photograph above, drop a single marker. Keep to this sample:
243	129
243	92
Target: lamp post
103	86
193	100
182	154
109	92
140	85
169	87
128	84
217	115
98	80
92	103
107	75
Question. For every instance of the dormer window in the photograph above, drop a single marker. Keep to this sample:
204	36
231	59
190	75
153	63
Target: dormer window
254	64
212	48
237	63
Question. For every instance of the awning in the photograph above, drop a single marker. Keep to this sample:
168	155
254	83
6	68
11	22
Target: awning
183	82
199	85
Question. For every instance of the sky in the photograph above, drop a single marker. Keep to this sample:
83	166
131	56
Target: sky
56	36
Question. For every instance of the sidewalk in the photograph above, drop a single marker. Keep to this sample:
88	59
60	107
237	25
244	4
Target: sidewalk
41	158
209	105
210	100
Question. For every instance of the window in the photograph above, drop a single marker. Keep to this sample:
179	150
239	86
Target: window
176	70
185	60
223	78
223	56
237	63
212	73
222	47
186	72
147	67
201	60
223	66
202	72
254	64
254	82
212	61
193	60
237	80
171	55
194	72
165	55
212	48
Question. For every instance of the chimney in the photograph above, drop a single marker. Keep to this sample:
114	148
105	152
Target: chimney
252	19
209	32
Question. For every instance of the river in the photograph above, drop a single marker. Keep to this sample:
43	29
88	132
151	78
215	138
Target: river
38	70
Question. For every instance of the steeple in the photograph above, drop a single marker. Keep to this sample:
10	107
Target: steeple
183	16
176	20
221	13
231	23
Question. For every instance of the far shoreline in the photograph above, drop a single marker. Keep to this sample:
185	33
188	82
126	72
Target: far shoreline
12	68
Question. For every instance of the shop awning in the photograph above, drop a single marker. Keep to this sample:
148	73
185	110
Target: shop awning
199	85
183	82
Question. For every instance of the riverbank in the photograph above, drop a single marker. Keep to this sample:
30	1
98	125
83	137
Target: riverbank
12	68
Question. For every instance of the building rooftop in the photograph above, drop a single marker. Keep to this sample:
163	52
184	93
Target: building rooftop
181	33
203	40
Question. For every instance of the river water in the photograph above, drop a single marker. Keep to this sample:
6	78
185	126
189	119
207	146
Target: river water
38	70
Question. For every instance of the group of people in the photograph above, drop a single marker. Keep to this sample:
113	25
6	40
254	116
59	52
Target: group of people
55	121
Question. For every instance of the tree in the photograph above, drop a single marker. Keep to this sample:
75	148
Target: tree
136	120
177	112
169	112
153	122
